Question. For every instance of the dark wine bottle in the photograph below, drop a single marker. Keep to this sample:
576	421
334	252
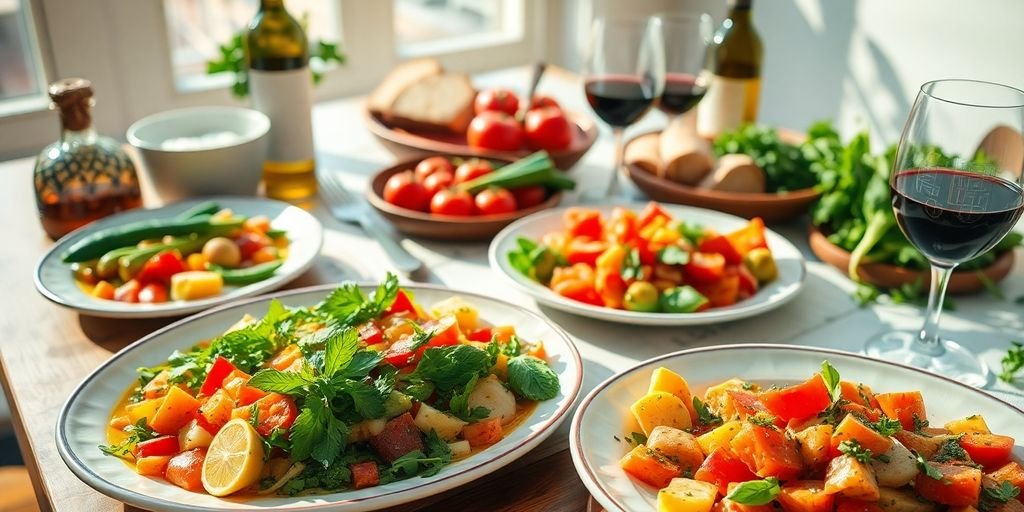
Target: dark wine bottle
735	63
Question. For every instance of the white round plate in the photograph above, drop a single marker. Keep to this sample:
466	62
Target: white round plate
305	234
81	425
604	412
771	296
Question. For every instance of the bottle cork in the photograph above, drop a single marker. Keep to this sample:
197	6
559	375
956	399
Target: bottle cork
73	98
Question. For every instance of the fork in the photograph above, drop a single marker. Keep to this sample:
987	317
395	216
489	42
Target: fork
353	210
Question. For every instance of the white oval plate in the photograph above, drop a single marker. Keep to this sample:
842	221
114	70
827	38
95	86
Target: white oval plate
81	425
775	294
54	280
605	411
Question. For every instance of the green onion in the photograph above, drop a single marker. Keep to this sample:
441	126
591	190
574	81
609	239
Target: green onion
535	169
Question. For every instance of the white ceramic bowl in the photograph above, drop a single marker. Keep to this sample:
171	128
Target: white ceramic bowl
231	167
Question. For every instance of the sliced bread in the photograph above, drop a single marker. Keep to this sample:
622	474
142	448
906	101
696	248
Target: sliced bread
398	80
442	103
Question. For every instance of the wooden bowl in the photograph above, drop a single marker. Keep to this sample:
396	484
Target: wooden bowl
772	207
406	144
892	276
443	227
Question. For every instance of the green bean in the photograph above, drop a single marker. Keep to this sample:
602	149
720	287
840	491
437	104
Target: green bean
107	266
249	275
204	208
104	240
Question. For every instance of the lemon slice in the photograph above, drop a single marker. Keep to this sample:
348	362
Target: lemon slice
234	460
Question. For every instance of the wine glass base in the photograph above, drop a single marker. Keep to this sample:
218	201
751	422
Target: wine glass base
950	358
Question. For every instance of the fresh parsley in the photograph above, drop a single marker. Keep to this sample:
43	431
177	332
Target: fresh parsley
853	448
755	492
927	468
704	414
762	419
637	438
919	424
950	450
1012	362
1002	493
886	426
459	404
532	378
452	366
137	433
349	307
419	463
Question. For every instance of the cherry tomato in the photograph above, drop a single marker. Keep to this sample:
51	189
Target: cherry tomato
528	197
494	130
128	292
989	450
276	411
403	190
429	166
402	304
153	293
547	128
161	267
215	377
452	202
437	181
370	333
472	169
494	201
163	445
798	401
249	242
501	100
544	101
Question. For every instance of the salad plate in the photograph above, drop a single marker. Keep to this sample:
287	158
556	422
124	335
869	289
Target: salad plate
55	281
82	424
604	414
788	260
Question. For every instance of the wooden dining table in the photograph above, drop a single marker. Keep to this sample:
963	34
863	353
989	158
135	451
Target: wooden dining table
46	350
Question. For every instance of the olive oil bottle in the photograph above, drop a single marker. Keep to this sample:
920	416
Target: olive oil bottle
280	86
735	63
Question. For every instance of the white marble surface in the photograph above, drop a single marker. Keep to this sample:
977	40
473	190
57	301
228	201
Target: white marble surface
824	314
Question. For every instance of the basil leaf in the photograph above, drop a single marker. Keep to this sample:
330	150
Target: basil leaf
755	492
830	375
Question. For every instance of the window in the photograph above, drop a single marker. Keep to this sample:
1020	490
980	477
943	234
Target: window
196	29
21	81
424	27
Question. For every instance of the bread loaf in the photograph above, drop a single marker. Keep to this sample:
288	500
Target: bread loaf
686	157
441	103
643	152
398	80
736	173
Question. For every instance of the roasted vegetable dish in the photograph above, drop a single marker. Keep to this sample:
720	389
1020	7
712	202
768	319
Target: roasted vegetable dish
822	445
352	393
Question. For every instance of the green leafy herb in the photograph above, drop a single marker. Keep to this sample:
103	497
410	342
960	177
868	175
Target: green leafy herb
349	307
704	414
637	438
919	424
514	347
927	468
755	492
418	463
254	415
693	233
276	381
532	378
886	426
452	366
830	375
231	59
673	255
459	404
853	449
137	433
1012	362
1000	494
747	386
762	419
632	267
950	450
834	412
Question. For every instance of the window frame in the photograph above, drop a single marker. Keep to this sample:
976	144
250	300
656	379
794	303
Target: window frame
131	83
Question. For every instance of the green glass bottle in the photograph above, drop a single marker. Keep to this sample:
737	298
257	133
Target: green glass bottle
735	63
281	87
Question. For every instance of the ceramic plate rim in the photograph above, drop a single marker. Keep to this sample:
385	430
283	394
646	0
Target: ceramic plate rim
173	309
587	474
429	488
545	296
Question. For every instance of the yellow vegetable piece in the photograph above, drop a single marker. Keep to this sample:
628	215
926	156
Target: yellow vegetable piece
710	441
144	409
234	460
686	495
660	408
195	284
465	314
663	379
970	425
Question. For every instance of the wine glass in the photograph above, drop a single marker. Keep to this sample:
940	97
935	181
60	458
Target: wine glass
687	36
954	202
623	73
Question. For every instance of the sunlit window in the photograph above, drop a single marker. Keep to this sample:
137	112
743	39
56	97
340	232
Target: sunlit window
21	74
424	27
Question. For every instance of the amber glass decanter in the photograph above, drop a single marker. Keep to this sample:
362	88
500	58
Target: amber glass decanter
83	176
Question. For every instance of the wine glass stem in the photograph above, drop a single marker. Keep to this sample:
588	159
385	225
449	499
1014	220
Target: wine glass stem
928	339
617	134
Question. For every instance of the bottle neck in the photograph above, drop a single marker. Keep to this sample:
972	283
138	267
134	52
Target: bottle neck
740	14
86	135
271	5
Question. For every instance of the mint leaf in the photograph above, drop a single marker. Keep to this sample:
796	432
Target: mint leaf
306	430
830	375
532	378
318	434
755	492
452	366
362	363
365	398
276	381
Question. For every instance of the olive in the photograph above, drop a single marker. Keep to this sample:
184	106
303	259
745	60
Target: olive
641	296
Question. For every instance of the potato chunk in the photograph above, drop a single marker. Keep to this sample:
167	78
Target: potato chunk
687	495
660	408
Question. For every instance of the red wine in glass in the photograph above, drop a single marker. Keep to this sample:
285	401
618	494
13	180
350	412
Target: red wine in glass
682	92
619	101
953	216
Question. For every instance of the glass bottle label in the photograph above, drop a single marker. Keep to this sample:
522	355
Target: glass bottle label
728	103
286	97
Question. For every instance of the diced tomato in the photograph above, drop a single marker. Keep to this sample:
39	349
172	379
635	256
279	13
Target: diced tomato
220	369
583	222
286	357
721	245
705	267
481	334
161	267
768	452
153	293
370	334
399	437
402	304
274	411
745	403
858	409
400	353
128	292
445	329
722	292
853	429
248	394
805	496
748	283
799	401
163	445
649	466
585	250
844	504
651	212
959	485
186	469
610	287
748	237
250	241
723	467
989	450
365	475
904	407
1011	472
858	393
205	423
622	227
580	291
